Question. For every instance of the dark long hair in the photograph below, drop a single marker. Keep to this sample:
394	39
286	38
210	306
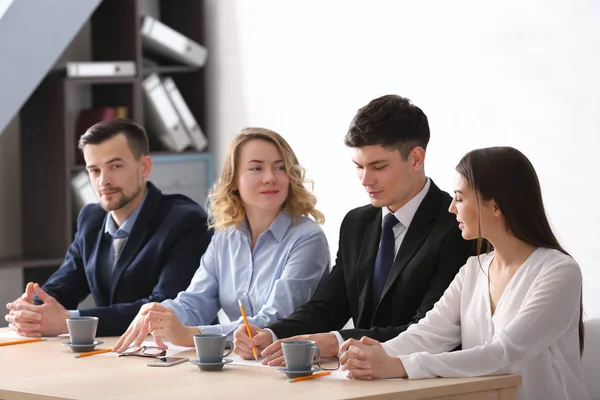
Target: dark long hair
505	175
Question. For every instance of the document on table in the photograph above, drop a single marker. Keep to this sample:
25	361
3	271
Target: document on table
343	375
338	374
237	360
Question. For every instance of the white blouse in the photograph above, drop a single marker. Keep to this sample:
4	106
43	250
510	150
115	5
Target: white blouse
533	332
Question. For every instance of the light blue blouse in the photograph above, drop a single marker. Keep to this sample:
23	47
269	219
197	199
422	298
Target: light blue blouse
280	275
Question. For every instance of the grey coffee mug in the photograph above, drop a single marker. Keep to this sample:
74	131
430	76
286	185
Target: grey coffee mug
299	355
82	330
211	347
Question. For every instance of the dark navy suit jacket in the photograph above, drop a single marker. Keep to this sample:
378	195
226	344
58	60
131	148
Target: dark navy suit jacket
158	261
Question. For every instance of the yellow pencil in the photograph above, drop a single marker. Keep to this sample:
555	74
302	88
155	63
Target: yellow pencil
92	353
304	378
21	341
248	328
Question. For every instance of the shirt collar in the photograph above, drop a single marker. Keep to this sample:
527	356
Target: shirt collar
121	232
278	227
406	213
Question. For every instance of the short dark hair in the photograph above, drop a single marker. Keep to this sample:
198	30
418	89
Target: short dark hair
390	121
107	129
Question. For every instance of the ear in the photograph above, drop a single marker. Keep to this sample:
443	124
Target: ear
416	158
146	166
495	209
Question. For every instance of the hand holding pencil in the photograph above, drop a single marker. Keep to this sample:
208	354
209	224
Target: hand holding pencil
254	351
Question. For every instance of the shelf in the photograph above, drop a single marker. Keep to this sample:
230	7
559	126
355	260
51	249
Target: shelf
168	69
104	80
28	262
166	156
49	120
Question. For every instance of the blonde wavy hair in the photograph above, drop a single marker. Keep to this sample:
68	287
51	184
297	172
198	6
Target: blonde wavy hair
225	207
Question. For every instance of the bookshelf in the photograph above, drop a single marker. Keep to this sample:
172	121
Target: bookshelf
49	117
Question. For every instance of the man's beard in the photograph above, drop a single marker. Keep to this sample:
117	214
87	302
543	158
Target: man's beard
124	200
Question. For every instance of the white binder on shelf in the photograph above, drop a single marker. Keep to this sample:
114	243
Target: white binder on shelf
82	190
189	122
163	120
100	69
160	38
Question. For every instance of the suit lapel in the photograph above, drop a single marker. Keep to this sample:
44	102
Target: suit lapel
92	268
137	237
366	264
419	229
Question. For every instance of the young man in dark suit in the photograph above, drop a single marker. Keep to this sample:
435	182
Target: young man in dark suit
396	257
136	246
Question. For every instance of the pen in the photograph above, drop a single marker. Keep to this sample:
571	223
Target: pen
92	353
21	341
248	328
304	378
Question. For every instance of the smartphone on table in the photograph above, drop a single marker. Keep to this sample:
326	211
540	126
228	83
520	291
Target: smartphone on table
167	361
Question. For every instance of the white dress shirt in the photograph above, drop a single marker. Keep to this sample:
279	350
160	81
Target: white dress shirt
533	332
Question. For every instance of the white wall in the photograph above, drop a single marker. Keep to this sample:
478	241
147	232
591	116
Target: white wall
523	74
4	4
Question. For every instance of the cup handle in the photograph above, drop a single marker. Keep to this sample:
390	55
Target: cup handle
230	343
316	354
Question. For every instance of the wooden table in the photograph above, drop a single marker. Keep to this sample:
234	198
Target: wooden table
47	370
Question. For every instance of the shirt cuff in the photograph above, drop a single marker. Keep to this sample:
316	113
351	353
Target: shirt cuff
74	314
412	367
213	329
273	335
340	340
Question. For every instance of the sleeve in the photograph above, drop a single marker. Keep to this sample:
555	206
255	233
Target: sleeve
306	265
327	310
440	329
546	315
181	262
452	256
200	301
69	284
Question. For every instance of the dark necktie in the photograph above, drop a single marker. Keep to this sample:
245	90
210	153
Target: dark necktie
385	257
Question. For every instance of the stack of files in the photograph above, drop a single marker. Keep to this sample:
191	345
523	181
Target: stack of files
162	118
83	192
161	39
189	122
100	69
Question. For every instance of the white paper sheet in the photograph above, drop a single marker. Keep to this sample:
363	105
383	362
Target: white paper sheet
336	375
237	360
343	375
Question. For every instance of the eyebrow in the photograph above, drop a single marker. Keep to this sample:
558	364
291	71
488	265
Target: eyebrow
262	162
372	162
112	160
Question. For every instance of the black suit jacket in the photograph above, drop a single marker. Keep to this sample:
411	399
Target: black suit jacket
431	254
158	261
